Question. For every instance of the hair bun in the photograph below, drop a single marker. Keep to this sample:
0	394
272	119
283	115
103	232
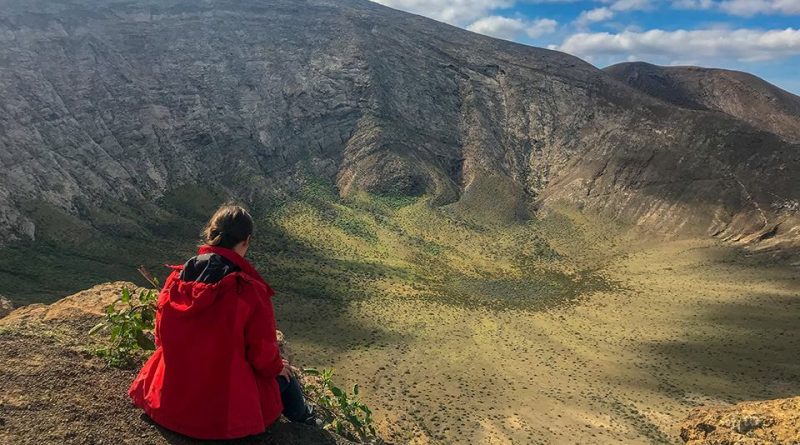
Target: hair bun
230	225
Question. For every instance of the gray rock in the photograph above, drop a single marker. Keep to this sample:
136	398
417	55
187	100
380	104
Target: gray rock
740	95
125	101
744	425
5	306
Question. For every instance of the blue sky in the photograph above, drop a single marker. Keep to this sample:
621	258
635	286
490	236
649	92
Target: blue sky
758	36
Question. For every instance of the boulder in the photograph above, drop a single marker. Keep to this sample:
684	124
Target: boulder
85	304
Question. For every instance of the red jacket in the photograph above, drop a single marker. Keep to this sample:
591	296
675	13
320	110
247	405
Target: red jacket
213	374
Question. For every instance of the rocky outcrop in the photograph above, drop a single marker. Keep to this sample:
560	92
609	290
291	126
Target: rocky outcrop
740	95
81	306
53	389
5	306
109	102
752	423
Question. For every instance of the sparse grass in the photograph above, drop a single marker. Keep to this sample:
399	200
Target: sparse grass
347	249
458	331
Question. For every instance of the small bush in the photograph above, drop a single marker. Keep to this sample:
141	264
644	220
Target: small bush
129	321
342	412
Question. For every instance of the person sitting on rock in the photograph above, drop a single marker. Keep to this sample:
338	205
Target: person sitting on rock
217	372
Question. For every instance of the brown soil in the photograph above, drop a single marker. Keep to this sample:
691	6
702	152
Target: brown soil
53	389
751	423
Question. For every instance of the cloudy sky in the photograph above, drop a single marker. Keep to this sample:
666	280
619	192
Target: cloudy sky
758	36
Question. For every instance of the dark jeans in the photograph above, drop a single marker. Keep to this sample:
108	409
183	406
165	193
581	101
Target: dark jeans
294	403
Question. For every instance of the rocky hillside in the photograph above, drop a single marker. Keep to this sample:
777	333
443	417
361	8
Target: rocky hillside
752	423
116	113
737	94
54	390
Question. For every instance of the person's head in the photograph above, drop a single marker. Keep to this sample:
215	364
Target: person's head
231	227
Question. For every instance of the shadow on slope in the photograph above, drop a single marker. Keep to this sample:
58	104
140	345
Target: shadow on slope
746	349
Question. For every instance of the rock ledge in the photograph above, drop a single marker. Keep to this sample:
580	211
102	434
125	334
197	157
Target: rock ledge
750	423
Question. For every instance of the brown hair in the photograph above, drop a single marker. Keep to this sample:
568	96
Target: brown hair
230	225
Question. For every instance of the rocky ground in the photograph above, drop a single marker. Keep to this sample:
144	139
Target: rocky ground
54	390
753	423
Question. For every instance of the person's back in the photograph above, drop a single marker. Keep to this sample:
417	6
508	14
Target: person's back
213	374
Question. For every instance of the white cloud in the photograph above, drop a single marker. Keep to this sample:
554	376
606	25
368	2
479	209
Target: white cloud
450	11
510	28
594	15
605	13
753	7
463	12
631	5
541	27
693	4
740	44
743	7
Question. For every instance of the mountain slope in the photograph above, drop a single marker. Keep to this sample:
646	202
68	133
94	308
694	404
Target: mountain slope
138	102
738	94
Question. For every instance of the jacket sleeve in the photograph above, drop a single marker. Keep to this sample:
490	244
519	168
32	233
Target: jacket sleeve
261	340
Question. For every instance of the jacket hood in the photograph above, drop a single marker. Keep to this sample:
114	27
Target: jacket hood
208	276
192	296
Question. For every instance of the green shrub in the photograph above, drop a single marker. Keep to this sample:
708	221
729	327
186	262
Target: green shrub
343	413
130	322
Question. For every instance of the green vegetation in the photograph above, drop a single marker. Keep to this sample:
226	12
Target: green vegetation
71	254
129	322
324	247
342	412
395	293
466	329
317	245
